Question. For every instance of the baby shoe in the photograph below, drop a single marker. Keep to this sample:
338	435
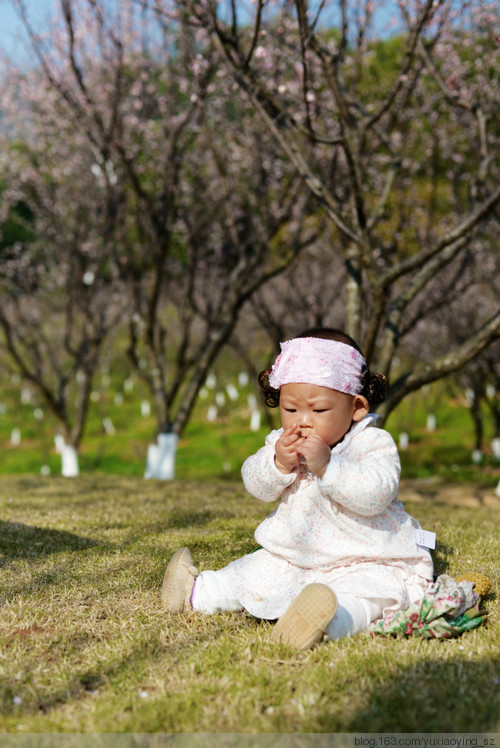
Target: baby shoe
307	619
178	582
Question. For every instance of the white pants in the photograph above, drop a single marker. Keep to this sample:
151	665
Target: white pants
354	614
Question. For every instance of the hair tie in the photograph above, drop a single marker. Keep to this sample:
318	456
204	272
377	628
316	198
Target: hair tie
326	363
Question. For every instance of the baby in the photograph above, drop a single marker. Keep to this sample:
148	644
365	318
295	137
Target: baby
339	551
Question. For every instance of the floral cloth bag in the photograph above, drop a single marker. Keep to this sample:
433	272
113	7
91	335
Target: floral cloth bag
448	608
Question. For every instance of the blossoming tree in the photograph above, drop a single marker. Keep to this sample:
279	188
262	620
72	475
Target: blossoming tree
192	215
397	139
60	293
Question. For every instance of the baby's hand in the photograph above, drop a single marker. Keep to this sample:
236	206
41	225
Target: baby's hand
286	457
316	453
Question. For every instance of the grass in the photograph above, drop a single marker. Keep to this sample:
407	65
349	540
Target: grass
217	449
86	648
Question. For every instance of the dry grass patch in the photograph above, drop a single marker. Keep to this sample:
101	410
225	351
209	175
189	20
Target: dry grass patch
86	647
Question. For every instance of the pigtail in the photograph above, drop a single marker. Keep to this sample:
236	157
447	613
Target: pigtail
375	387
271	395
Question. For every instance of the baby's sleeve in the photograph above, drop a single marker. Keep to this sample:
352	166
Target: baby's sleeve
365	477
261	477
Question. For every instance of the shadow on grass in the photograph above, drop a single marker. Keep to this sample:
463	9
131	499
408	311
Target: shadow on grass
458	695
440	558
25	541
179	518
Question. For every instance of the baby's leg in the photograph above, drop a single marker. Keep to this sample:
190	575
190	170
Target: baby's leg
184	589
212	593
317	611
354	614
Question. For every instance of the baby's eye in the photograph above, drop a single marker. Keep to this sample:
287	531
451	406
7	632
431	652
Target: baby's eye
320	410
290	410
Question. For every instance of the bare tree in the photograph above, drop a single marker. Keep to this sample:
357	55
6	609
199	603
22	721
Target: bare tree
396	139
196	216
60	293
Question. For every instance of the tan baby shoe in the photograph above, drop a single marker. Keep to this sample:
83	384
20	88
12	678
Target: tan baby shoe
178	582
307	619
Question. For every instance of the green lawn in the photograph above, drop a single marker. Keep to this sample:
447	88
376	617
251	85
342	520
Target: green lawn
216	449
86	647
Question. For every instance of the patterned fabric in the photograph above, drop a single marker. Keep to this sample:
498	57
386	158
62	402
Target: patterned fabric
447	609
327	363
347	529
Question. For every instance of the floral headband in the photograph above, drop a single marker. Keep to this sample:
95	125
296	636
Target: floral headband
327	363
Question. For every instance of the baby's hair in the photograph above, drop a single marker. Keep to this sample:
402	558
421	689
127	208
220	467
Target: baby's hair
375	386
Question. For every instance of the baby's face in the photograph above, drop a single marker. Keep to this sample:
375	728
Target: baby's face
317	410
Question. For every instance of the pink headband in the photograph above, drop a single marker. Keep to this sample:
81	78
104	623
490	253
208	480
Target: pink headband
326	363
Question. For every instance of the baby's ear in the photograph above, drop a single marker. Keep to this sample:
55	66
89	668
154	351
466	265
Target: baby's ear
361	407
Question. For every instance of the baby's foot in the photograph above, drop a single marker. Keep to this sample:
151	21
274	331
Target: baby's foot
306	621
178	582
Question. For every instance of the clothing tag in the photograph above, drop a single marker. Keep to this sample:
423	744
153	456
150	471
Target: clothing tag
425	538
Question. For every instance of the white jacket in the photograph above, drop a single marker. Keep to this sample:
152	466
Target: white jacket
349	516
